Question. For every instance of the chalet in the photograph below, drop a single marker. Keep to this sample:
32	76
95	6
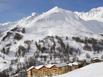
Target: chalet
75	66
47	70
70	66
95	60
82	63
54	70
63	68
43	71
29	71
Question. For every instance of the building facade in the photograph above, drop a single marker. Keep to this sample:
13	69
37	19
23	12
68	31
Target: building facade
49	71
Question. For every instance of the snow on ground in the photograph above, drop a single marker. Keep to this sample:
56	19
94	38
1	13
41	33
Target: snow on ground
92	70
4	64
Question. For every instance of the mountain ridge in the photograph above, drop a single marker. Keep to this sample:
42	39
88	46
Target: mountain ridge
28	21
93	14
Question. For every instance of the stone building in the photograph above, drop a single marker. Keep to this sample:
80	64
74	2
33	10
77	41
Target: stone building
48	70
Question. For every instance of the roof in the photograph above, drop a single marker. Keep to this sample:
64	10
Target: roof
61	65
30	68
75	63
70	64
38	67
48	66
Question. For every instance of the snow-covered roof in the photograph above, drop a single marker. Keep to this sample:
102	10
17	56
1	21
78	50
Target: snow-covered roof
30	68
70	64
48	66
38	67
75	63
61	65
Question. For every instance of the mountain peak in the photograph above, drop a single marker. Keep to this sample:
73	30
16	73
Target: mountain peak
97	9
93	14
56	9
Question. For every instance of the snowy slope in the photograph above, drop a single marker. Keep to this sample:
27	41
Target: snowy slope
62	22
92	70
4	27
57	21
94	18
93	14
26	20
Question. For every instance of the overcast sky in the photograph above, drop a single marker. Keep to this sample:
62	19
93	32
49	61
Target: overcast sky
11	10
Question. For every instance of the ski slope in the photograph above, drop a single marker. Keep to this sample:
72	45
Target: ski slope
92	70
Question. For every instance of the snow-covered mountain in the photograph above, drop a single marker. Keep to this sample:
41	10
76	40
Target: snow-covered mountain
93	14
4	27
62	18
56	21
94	18
55	36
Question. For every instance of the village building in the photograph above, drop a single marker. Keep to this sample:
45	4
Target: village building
95	60
70	66
75	66
29	71
48	70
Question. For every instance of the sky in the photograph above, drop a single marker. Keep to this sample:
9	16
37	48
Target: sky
12	10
